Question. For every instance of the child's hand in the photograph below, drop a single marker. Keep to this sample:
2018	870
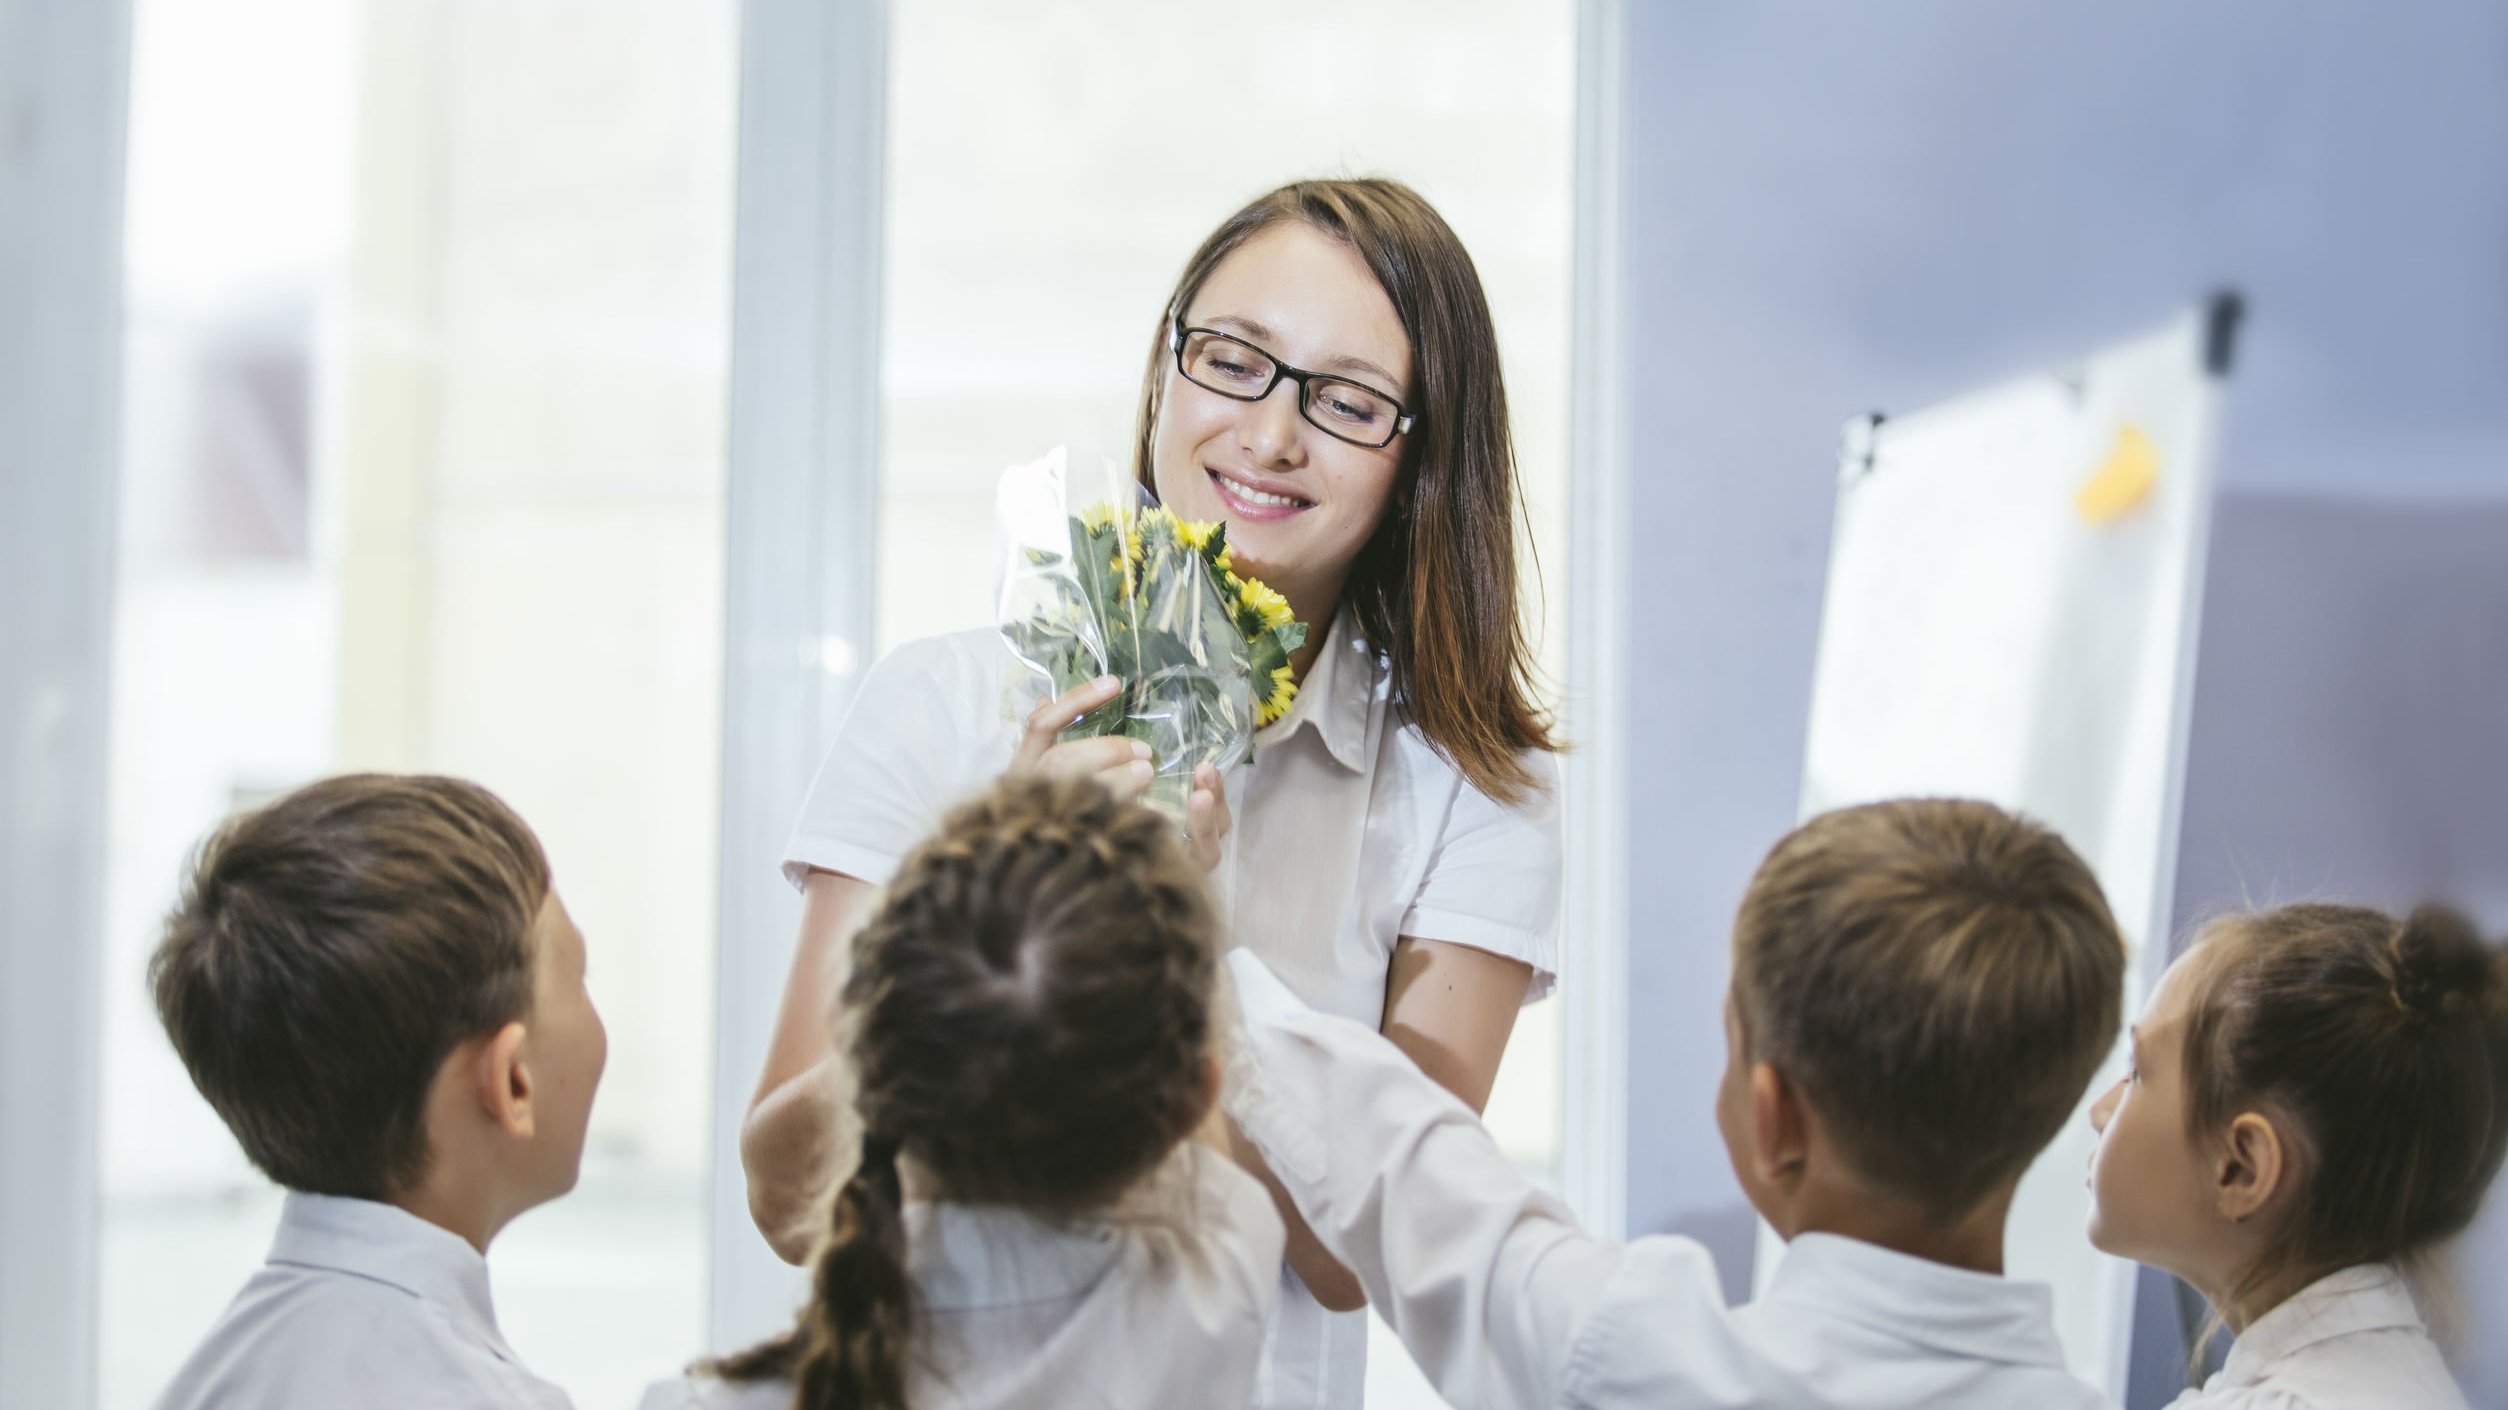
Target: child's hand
1206	817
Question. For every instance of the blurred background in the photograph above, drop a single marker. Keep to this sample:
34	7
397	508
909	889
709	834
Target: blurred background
577	395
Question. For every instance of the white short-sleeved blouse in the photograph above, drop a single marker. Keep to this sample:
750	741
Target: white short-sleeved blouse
1351	832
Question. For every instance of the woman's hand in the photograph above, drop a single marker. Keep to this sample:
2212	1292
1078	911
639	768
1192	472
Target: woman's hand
1121	764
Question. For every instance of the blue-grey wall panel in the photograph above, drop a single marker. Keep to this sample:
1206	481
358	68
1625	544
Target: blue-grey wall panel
1831	208
2350	740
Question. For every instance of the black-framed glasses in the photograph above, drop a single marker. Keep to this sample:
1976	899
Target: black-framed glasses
1338	407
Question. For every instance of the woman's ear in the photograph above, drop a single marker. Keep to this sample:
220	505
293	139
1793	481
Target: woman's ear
2250	1167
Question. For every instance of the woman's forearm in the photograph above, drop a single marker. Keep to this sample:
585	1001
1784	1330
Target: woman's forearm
799	1142
800	1137
833	907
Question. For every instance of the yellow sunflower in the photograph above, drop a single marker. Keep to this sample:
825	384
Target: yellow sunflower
1284	693
1267	603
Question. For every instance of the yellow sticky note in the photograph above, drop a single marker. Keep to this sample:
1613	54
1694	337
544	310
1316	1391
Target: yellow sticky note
2122	481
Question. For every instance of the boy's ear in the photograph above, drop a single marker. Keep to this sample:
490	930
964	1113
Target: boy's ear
504	1081
1780	1128
2250	1167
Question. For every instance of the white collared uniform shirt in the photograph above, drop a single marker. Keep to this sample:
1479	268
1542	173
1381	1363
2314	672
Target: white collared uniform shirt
360	1304
1350	833
1507	1305
1155	1312
2352	1340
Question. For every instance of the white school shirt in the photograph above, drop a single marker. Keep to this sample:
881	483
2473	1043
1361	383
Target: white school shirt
360	1304
1022	1314
2351	1340
1507	1305
1350	833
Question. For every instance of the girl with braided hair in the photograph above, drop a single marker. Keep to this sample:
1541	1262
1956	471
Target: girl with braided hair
1028	1221
2317	1099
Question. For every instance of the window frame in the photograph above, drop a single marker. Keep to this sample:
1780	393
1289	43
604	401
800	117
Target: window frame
64	73
801	521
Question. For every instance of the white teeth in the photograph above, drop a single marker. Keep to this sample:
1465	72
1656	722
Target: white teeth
1252	495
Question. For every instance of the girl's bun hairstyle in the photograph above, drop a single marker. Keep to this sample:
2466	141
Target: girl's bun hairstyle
2442	967
2380	1047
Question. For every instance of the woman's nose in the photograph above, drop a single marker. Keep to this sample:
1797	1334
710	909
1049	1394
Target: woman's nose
1271	425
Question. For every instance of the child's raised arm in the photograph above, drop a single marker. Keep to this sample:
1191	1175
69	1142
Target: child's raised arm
1485	1276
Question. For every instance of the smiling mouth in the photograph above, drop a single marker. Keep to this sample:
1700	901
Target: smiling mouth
1245	496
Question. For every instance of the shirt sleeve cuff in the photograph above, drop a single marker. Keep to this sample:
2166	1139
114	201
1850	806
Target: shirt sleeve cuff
1261	997
806	854
1540	949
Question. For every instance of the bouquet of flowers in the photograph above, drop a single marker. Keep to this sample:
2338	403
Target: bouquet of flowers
1121	587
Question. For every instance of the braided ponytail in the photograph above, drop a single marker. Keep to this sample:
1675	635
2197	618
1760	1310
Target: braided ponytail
850	1349
861	1314
1028	1016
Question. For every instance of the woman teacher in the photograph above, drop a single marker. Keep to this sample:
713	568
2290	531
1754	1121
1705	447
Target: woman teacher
1326	380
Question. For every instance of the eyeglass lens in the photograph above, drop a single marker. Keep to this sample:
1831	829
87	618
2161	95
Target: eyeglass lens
1345	409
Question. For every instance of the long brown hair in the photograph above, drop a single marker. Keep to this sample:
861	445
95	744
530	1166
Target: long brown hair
1029	1016
2384	1043
1435	588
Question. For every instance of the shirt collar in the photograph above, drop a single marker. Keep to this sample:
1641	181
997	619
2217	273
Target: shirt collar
2370	1297
1334	698
385	1244
966	1257
1983	1316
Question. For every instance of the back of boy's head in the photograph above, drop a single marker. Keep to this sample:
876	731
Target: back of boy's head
2385	1041
1029	1017
1940	978
330	950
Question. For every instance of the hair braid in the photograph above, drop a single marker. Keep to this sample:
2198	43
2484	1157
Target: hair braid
1028	1017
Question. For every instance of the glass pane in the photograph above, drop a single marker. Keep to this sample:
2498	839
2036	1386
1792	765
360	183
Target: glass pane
427	337
1046	182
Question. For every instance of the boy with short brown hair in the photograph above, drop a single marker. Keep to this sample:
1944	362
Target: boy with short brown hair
373	982
1921	993
1934	982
